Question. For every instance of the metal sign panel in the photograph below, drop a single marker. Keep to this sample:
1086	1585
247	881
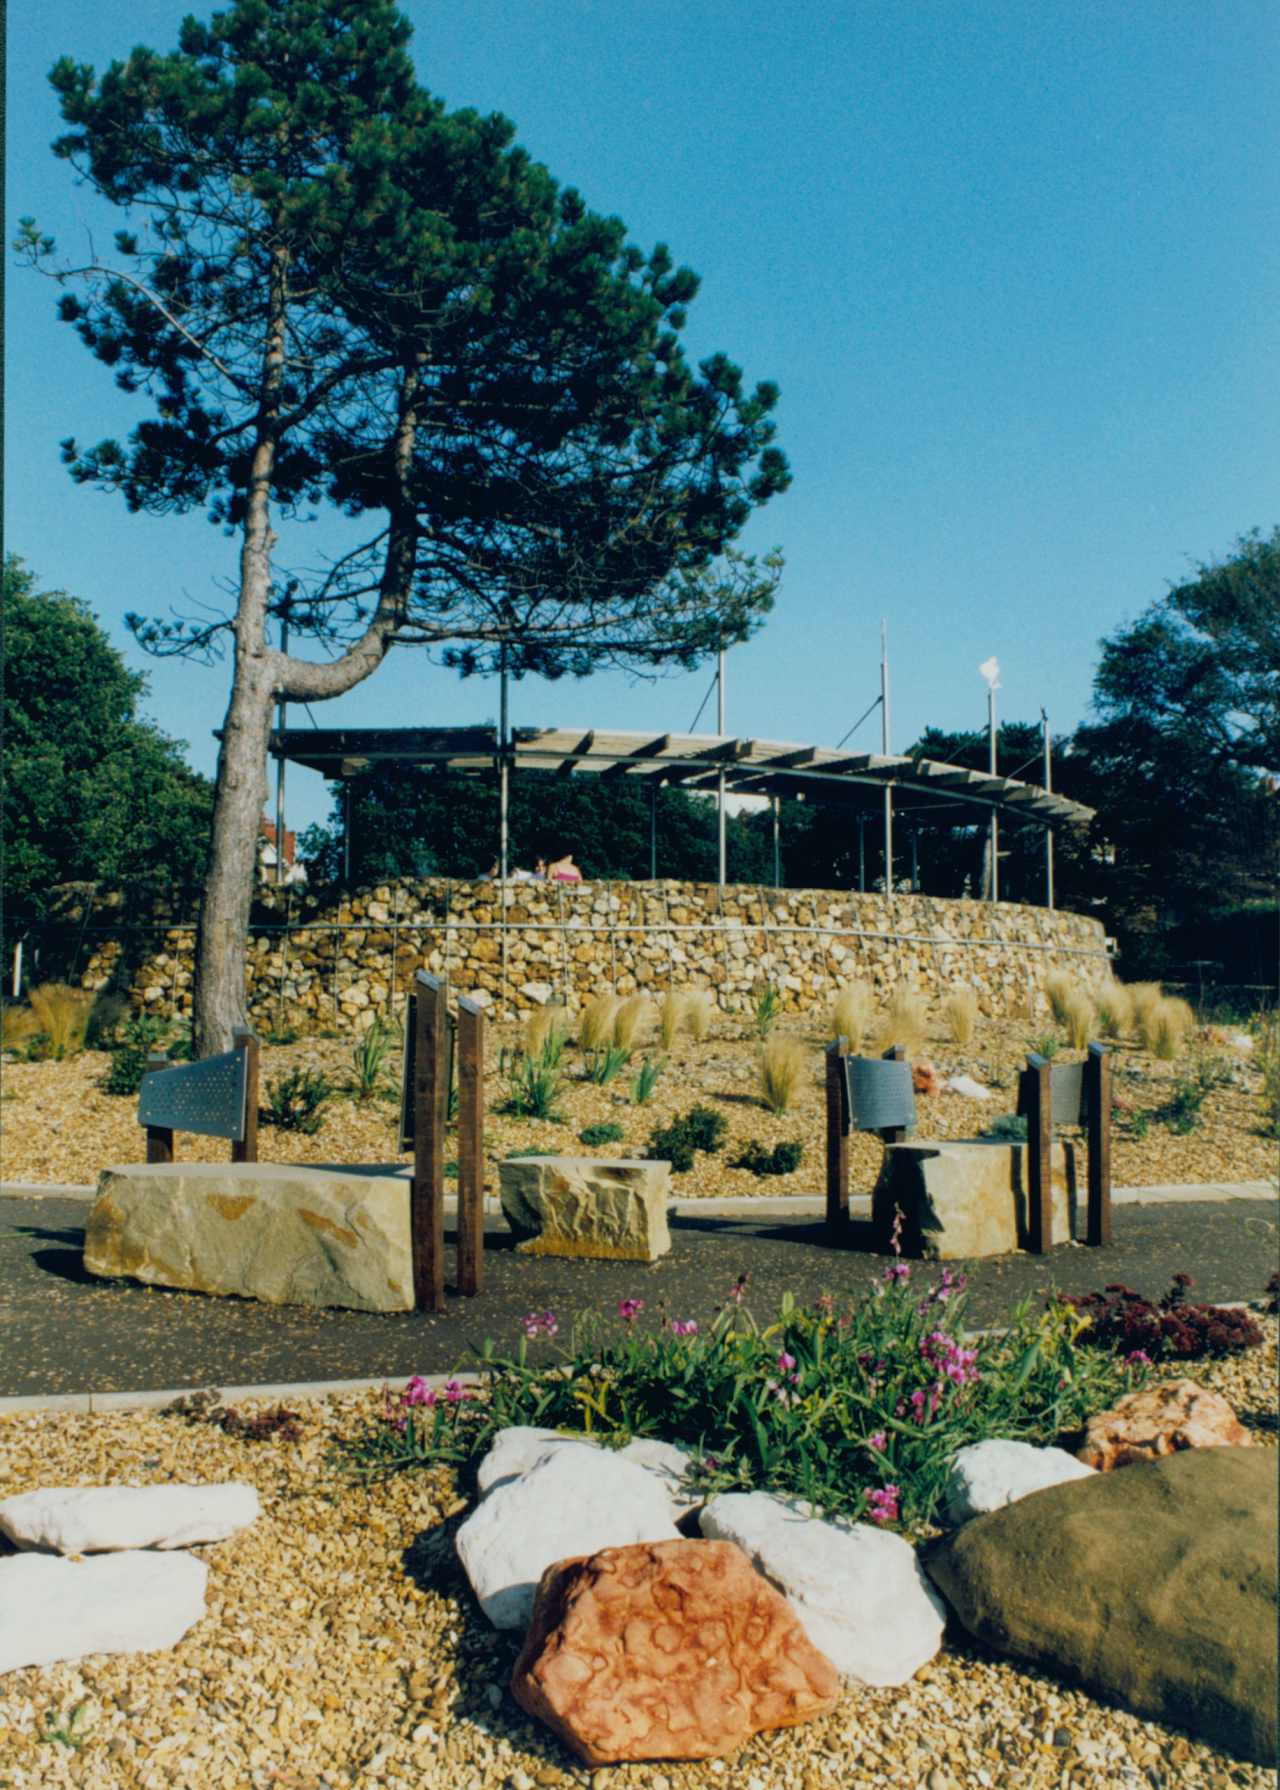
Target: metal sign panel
1068	1094
407	1104
206	1098
878	1093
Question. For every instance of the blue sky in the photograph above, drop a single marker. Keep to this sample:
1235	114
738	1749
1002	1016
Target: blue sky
1013	266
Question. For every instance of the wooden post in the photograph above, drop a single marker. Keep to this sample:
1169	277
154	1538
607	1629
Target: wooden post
431	1106
837	1142
1039	1157
159	1137
1097	1074
470	1147
894	1134
245	1149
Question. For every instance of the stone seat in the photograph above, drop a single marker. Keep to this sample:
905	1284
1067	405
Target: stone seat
964	1199
587	1207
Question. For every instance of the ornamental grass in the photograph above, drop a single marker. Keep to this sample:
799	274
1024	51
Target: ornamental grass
632	1017
851	1014
671	1012
596	1023
62	1014
700	1006
781	1069
903	1024
960	1011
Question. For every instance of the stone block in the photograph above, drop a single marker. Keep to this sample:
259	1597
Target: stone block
95	1519
582	1206
963	1200
52	1608
264	1230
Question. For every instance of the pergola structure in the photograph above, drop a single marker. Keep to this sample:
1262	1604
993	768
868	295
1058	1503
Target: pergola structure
854	781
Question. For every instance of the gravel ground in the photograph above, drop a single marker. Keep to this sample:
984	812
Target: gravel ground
58	1127
342	1647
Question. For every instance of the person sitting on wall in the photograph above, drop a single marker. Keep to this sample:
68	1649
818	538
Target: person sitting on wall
564	870
540	871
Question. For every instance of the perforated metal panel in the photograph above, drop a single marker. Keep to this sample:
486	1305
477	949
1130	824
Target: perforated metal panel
205	1098
879	1094
1068	1093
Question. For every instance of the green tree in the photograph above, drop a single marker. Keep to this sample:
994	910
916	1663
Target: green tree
348	295
91	791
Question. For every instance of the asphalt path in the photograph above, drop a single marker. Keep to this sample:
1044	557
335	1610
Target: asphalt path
64	1331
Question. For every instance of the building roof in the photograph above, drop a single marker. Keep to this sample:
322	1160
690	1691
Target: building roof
853	780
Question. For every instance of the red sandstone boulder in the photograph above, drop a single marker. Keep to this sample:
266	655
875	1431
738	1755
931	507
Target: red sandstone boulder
1157	1421
924	1077
666	1650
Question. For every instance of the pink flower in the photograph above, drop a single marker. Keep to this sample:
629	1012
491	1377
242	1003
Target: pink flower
455	1392
897	1271
884	1504
688	1328
826	1304
417	1392
630	1309
784	1395
739	1288
1139	1358
786	1362
540	1325
879	1441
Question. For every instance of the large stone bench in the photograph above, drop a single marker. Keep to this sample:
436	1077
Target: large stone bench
967	1199
587	1207
264	1230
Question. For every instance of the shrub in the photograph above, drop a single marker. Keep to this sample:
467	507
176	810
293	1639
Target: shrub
596	1024
108	1015
296	1101
610	1132
699	1007
860	1410
204	1407
1267	1058
1123	1321
671	1010
766	1006
369	1058
18	1027
960	1010
1181	1111
633	1016
1047	1045
62	1014
1146	997
534	1082
1115	1010
1078	1018
783	1159
781	1065
851	1013
903	1024
676	1143
646	1080
129	1059
1008	1128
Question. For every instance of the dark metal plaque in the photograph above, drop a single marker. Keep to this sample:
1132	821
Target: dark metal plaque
1068	1094
205	1098
879	1094
407	1104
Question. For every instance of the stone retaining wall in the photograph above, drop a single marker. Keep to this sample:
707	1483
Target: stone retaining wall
330	959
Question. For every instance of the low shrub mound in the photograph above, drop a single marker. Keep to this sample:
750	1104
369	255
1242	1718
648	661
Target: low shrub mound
678	1142
610	1132
1124	1322
783	1159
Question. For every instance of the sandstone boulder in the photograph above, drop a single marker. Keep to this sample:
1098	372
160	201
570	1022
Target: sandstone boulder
858	1590
263	1230
519	1448
988	1475
678	1650
1154	1589
575	1500
1160	1420
105	1518
578	1206
924	1077
133	1602
963	1200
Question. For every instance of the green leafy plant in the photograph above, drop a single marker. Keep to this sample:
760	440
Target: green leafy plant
144	1034
606	1062
1140	1124
534	1082
677	1143
858	1408
369	1058
766	1006
296	1100
207	1407
1181	1111
1047	1045
783	1159
610	1132
1266	1055
282	1035
646	1079
68	1730
1007	1128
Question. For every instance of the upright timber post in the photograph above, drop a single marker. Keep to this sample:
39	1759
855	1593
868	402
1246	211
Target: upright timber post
245	1149
470	1147
431	1109
1097	1078
1039	1159
159	1137
837	1142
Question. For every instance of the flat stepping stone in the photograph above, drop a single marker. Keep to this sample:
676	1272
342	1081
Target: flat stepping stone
52	1608
94	1519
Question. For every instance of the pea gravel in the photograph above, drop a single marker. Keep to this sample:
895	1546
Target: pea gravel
342	1648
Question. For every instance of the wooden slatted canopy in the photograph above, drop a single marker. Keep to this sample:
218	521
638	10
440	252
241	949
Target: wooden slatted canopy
696	761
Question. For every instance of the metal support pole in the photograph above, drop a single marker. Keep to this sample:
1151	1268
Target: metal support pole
503	789
777	854
1048	832
470	1147
281	707
862	854
915	866
346	837
995	828
653	832
431	1107
245	1149
720	779
884	737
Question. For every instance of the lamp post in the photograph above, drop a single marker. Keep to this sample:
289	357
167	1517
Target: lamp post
720	780
280	762
1048	832
884	738
990	669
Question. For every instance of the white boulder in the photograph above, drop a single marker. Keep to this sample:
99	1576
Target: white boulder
515	1451
575	1500
95	1519
858	1590
966	1087
988	1475
134	1602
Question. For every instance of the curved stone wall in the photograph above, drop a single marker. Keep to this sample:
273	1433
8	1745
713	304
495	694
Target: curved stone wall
323	959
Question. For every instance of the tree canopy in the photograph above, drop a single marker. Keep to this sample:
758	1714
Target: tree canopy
344	295
92	792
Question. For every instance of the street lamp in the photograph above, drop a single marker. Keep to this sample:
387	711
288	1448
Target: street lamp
990	669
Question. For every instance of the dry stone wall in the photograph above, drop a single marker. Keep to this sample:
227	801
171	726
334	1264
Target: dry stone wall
328	959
